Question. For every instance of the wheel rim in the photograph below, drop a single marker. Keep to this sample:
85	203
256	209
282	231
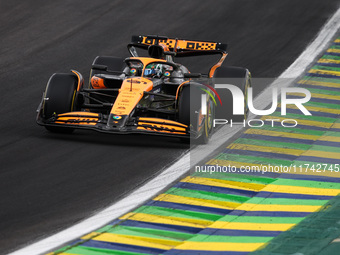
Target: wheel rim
246	108
209	119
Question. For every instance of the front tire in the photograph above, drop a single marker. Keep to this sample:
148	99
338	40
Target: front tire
184	113
189	113
239	77
60	97
208	123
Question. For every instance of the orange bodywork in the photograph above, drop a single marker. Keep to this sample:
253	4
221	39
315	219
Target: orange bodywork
164	126
132	90
78	118
130	93
97	83
218	64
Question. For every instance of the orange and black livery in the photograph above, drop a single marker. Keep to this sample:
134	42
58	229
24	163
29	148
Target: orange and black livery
149	94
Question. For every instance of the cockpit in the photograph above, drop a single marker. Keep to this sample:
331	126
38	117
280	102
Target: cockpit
145	68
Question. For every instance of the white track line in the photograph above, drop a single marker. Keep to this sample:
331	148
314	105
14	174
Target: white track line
169	175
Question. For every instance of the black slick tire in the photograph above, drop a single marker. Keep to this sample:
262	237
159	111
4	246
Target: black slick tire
60	97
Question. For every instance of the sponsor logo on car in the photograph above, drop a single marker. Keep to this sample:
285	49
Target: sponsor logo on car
117	117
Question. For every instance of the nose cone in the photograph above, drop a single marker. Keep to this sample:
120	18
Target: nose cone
130	93
117	121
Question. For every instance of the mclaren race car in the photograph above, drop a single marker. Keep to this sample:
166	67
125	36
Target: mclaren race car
149	95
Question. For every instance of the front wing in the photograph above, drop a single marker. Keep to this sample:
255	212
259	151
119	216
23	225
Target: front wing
99	122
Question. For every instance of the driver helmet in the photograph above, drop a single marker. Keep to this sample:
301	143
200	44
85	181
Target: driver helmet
153	70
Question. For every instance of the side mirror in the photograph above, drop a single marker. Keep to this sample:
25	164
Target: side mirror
99	67
192	75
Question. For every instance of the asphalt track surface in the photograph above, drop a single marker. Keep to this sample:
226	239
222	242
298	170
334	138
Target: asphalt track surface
49	181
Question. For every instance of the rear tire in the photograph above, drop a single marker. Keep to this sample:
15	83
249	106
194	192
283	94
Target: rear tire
60	97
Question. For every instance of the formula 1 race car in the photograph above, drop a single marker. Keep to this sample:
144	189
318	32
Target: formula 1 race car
150	95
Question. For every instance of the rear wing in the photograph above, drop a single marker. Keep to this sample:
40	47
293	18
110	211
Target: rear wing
179	48
182	47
